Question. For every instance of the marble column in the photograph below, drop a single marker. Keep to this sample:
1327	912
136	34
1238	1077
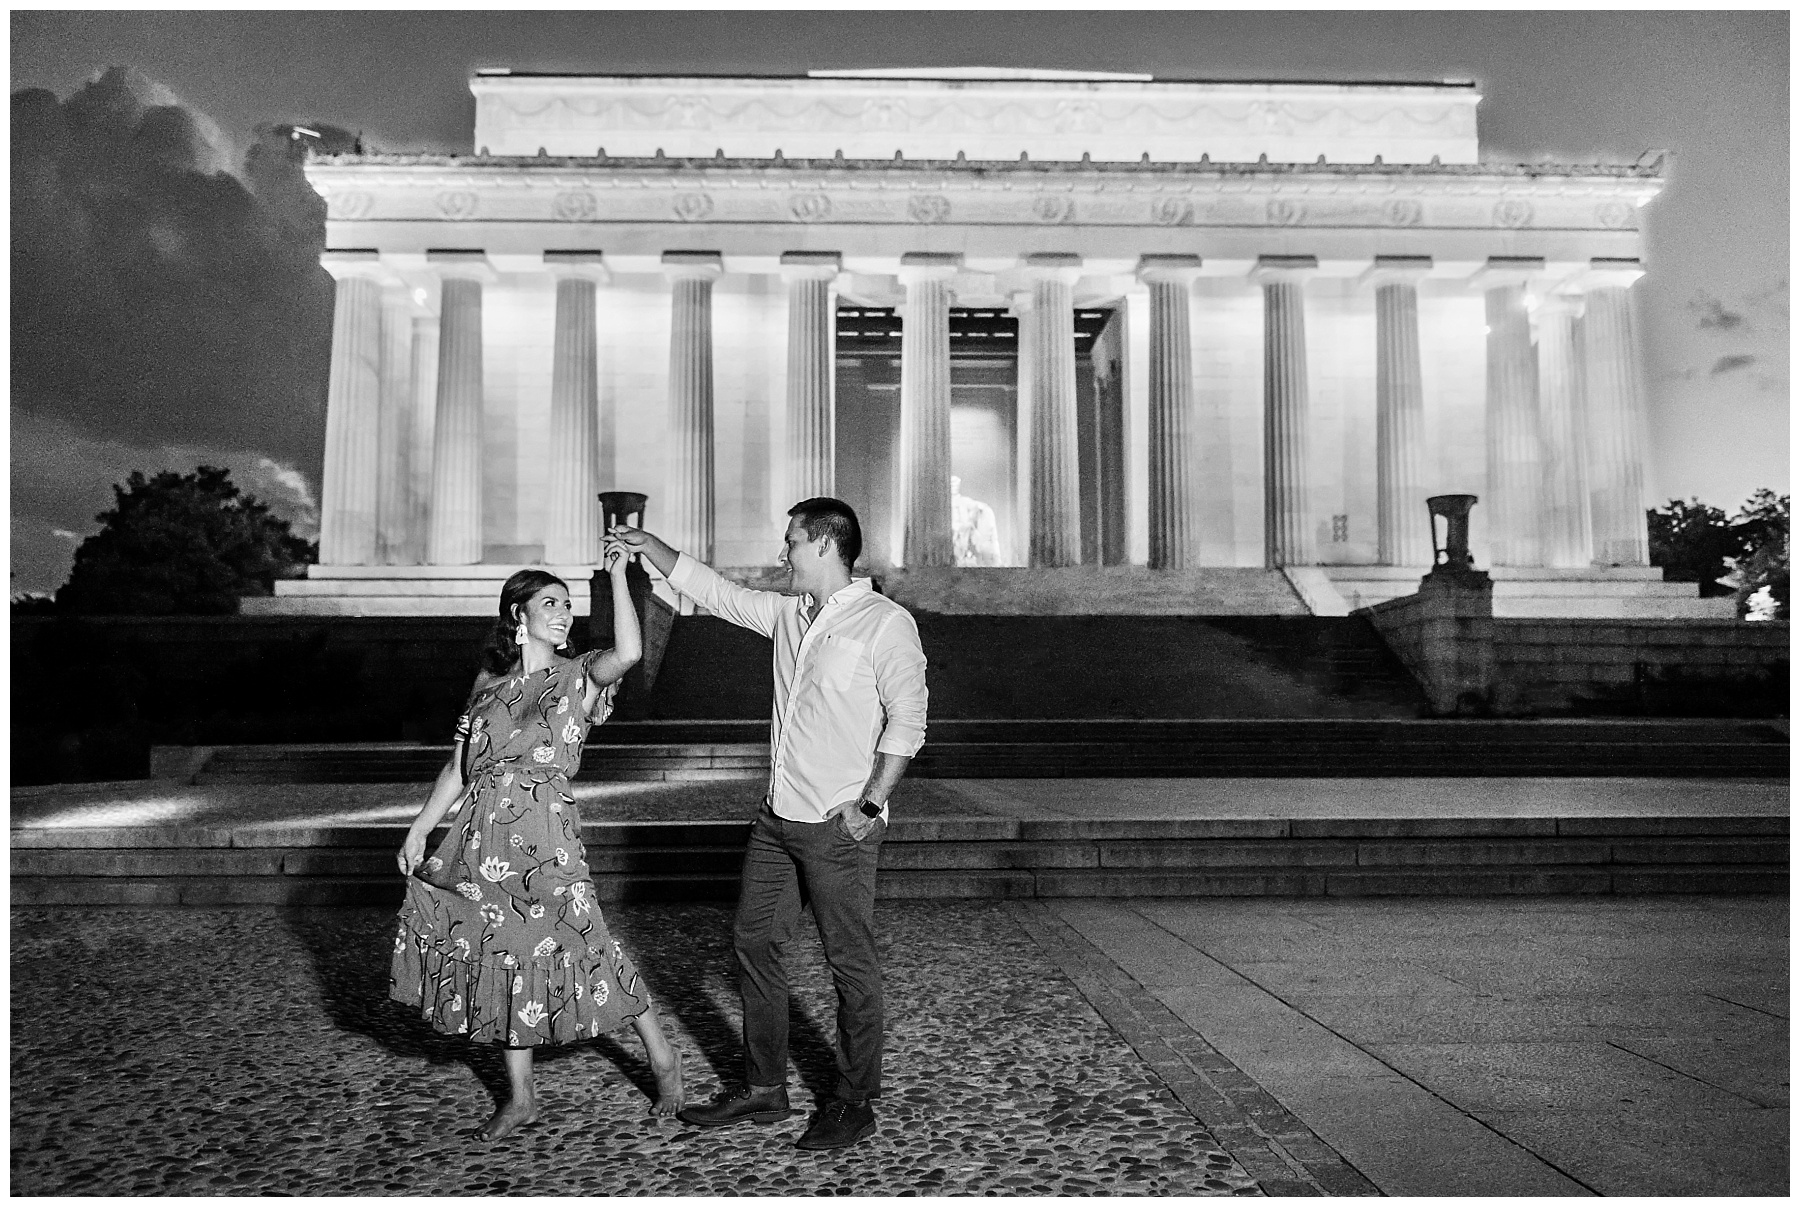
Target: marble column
1402	523
424	422
350	497
1287	513
1172	470
1515	462
1055	454
454	534
689	480
1025	357
1567	526
393	510
572	523
925	408
1614	395
812	328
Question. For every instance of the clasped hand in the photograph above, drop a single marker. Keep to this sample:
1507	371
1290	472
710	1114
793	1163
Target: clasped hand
614	553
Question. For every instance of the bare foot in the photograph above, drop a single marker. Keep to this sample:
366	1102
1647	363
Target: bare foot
668	1084
508	1119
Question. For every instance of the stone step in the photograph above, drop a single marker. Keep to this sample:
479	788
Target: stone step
903	855
1537	879
1228	754
958	857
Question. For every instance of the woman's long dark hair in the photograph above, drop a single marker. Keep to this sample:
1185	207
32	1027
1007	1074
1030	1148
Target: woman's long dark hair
500	652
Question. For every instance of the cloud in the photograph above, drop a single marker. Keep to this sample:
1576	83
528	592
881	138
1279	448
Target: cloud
65	534
1727	364
158	300
1712	314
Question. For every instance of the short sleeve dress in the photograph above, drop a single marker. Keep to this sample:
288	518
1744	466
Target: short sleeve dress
501	937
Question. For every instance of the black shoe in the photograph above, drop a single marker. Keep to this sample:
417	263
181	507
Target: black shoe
838	1124
736	1103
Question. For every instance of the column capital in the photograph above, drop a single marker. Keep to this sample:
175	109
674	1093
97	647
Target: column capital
1395	270
460	264
1171	270
693	265
918	266
1604	273
577	265
811	265
1557	305
1283	270
1019	301
1502	271
1051	266
358	263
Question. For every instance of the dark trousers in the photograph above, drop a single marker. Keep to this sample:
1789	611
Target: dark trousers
787	865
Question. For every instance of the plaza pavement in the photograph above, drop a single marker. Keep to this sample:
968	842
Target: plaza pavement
1490	1046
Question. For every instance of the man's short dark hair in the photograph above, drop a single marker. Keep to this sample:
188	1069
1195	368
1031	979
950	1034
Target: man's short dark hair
833	518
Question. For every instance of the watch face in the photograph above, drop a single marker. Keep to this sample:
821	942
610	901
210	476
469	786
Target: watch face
870	809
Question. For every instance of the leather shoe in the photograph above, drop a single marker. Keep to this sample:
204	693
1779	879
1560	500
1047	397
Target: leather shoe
736	1103
838	1124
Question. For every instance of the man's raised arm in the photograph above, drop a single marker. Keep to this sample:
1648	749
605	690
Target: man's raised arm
753	610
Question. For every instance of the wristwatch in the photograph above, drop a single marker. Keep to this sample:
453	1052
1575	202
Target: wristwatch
868	808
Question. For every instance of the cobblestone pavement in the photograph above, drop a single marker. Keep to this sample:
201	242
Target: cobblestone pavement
189	1051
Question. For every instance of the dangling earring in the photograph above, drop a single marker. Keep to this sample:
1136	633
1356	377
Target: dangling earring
520	635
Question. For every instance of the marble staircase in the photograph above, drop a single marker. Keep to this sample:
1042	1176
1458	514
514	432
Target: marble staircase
1599	593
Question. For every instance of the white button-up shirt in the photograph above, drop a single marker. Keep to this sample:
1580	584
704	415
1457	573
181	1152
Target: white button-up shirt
848	684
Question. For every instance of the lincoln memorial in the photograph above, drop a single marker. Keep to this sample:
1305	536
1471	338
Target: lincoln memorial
1153	331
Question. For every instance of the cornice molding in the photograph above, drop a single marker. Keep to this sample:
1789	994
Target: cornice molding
1599	197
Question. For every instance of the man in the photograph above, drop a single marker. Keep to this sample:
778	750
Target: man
849	715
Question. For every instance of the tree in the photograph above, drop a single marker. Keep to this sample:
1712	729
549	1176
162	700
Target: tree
1760	573
1694	543
181	544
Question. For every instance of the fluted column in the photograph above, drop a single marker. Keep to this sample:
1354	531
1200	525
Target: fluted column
690	467
1055	453
1025	357
423	401
925	409
1171	476
1287	510
1402	523
393	511
349	493
1614	393
1567	526
812	328
572	510
1515	464
454	536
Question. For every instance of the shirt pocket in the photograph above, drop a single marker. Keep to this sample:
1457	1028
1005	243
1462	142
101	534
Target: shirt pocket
836	662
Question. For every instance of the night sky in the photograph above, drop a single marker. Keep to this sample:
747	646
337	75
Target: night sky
168	309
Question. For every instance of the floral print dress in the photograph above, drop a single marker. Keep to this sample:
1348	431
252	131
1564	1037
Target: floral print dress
501	938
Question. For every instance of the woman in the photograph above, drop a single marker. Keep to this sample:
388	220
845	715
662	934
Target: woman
500	938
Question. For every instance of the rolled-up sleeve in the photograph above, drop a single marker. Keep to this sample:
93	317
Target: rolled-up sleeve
899	664
755	610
